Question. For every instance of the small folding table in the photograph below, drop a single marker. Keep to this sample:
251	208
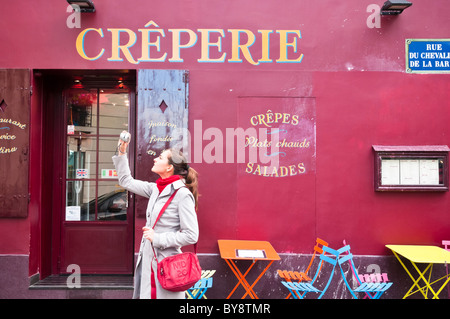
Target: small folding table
427	255
234	250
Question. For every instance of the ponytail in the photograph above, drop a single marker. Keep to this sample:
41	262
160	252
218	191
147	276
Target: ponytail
192	184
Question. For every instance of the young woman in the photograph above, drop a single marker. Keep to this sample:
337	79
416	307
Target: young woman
177	226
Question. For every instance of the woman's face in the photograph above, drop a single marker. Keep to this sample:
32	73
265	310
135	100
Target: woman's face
161	165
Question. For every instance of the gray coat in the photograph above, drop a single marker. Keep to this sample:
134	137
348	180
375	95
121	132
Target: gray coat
176	228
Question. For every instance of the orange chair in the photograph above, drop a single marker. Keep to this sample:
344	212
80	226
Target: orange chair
296	276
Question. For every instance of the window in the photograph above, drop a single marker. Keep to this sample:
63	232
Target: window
95	118
411	168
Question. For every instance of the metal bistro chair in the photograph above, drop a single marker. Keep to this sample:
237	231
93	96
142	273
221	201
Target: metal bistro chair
297	276
300	289
371	278
198	290
368	277
373	290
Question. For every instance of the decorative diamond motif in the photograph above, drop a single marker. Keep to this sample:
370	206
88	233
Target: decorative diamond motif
163	106
3	105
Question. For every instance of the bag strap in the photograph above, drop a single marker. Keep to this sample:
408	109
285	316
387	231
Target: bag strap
164	207
159	215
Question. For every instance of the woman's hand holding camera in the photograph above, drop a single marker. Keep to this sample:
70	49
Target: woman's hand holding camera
124	140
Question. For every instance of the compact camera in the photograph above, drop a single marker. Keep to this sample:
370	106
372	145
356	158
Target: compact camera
125	136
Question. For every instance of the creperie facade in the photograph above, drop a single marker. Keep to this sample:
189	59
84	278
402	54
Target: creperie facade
282	108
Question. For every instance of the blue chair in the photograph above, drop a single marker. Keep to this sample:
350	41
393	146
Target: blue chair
300	289
373	290
198	290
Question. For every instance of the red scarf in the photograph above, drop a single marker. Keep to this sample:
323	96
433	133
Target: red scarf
162	183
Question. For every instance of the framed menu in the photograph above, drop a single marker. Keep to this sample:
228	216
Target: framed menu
411	168
250	253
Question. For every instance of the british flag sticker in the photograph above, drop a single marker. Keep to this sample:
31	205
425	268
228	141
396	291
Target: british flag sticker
82	173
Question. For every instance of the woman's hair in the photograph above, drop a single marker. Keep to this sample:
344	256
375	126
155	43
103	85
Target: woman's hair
181	167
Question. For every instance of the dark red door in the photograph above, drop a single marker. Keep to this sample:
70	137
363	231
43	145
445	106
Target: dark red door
97	216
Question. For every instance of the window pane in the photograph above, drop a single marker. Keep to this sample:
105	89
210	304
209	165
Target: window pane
80	200
107	148
114	105
112	202
89	153
81	156
82	110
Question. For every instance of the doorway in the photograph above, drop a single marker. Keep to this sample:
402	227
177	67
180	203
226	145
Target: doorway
92	216
97	220
85	218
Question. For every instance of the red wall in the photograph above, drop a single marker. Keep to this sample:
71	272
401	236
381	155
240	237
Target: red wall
386	109
355	73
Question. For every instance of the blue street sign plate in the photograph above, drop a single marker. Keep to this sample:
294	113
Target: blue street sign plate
428	55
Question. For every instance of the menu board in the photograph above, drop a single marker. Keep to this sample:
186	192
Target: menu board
250	253
410	172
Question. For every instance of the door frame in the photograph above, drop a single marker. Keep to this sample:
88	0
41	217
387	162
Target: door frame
53	85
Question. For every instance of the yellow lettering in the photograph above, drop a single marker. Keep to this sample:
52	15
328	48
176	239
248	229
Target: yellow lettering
301	168
125	48
80	44
7	137
286	118
176	43
15	123
211	47
278	117
275	172
284	44
292	170
265	46
206	44
262	118
146	43
283	171
4	150
237	47
257	170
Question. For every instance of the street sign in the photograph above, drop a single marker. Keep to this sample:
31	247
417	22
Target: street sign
428	55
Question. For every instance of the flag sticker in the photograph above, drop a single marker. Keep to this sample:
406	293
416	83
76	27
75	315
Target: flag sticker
109	173
82	173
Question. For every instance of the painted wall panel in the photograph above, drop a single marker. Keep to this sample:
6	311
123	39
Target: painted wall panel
14	142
